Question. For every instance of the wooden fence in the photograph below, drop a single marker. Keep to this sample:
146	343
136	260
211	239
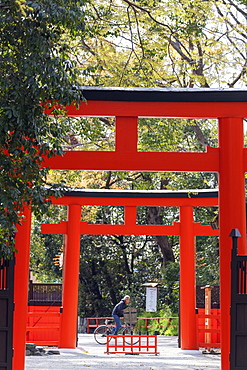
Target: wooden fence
44	294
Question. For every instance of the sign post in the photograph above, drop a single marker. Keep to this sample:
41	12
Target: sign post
151	299
151	296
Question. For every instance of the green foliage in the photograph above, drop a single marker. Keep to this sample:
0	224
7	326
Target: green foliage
171	286
42	257
163	326
183	43
45	248
36	65
207	260
113	266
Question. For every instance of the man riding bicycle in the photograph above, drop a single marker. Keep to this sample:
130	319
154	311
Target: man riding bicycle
118	312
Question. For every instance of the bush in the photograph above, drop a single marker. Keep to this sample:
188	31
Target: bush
163	327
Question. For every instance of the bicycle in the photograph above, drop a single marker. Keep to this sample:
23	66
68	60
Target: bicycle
101	332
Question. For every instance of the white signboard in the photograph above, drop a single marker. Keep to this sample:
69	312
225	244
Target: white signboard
151	299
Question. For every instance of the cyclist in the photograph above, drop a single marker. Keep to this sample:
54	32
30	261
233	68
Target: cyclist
118	312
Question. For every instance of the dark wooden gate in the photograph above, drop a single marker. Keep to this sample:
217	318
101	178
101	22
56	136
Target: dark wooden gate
238	354
6	313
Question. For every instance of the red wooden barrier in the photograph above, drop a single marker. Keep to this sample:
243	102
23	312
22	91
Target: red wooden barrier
132	344
97	321
209	324
43	325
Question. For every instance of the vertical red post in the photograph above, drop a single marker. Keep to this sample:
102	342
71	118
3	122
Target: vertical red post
21	278
130	218
188	320
69	315
126	134
232	215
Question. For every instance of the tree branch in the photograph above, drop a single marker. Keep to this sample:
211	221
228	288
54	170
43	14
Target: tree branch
241	74
147	12
199	134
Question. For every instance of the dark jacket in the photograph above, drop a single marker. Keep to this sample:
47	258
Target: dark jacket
118	309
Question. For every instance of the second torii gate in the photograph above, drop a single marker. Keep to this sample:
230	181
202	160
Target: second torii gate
186	228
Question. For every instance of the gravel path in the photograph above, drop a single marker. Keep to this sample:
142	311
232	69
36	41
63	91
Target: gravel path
91	355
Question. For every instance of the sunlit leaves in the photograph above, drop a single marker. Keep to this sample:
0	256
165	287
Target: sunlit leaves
179	43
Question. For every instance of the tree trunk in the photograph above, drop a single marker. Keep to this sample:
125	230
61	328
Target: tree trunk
154	217
109	282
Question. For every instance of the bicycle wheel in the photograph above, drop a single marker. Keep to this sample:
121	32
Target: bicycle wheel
100	334
130	331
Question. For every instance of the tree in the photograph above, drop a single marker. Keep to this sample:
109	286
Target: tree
166	43
36	66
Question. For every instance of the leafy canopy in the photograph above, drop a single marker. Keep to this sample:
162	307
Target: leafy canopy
184	43
36	65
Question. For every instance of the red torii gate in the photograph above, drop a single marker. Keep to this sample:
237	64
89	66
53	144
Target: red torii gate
187	229
229	160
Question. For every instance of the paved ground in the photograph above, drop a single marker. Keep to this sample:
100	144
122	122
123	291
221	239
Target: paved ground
91	355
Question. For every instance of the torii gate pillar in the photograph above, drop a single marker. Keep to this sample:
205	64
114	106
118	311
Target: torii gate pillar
68	328
21	277
188	327
232	215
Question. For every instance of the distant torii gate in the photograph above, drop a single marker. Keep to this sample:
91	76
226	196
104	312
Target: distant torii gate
186	228
229	160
